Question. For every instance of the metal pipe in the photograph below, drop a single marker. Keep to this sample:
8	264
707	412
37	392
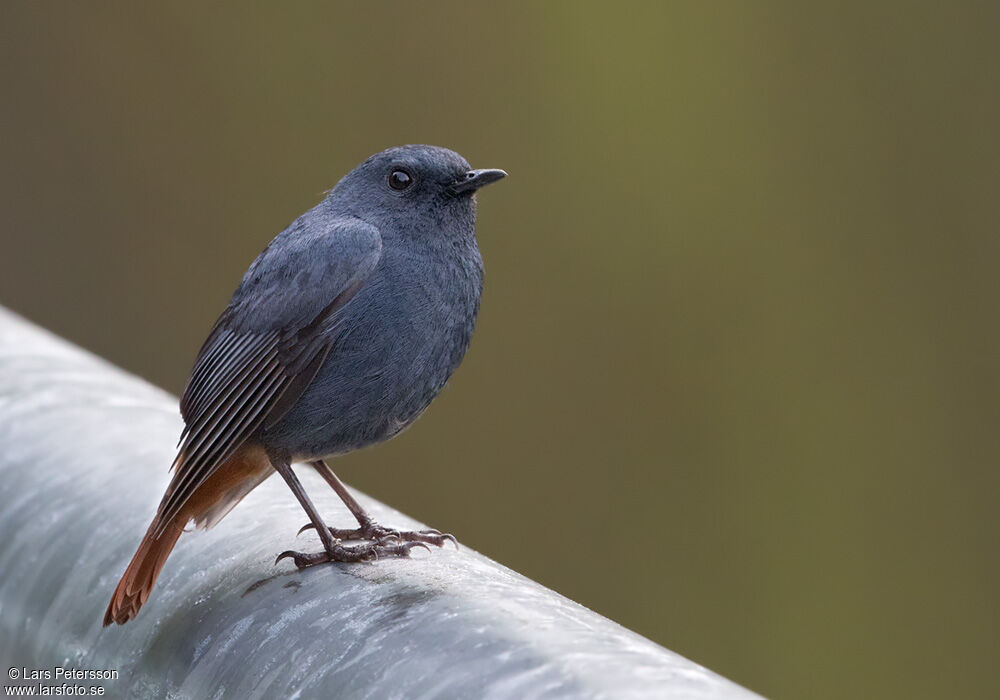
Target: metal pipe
84	449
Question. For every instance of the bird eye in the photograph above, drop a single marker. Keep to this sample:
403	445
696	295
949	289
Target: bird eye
400	180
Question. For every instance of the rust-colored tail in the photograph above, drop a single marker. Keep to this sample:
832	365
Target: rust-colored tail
209	503
137	582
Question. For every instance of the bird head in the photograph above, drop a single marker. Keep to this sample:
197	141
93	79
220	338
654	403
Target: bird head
412	187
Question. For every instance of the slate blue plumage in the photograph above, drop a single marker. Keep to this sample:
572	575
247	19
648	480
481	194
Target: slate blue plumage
341	333
399	339
348	324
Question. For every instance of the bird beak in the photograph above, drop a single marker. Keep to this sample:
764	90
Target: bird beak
474	179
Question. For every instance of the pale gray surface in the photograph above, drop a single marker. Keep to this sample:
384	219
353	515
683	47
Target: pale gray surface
85	450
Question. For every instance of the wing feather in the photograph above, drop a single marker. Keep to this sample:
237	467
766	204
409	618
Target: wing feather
268	345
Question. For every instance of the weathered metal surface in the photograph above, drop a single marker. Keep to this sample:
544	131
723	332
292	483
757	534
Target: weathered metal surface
84	450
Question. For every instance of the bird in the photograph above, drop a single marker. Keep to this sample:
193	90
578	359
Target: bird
339	336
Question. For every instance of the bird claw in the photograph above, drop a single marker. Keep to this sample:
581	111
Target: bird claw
384	537
365	553
301	560
377	533
388	535
429	536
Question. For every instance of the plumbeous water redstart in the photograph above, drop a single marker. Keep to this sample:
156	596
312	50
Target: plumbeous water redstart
341	333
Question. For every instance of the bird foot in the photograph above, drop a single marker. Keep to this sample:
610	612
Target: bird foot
368	552
374	532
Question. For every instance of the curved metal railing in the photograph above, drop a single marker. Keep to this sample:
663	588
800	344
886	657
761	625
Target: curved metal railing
83	453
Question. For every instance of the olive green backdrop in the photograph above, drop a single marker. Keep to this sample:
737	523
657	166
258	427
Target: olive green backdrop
735	382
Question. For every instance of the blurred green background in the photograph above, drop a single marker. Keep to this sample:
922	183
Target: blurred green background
735	382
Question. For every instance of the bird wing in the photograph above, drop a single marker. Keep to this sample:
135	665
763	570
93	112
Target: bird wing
267	347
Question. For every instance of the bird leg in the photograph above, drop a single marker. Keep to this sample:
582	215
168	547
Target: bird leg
368	529
333	550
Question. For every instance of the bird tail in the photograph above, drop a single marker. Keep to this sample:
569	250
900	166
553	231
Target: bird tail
137	581
209	503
